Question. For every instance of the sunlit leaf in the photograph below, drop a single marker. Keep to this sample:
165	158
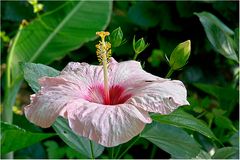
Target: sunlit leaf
203	155
78	143
226	153
54	34
51	36
14	138
171	139
219	35
181	119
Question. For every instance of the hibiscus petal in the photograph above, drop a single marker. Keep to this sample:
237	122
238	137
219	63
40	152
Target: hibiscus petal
107	125
129	74
159	96
83	73
51	100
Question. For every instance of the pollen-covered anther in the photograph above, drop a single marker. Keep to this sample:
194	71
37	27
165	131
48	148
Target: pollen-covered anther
103	47
102	34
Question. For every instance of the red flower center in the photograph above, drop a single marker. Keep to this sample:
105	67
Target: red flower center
117	95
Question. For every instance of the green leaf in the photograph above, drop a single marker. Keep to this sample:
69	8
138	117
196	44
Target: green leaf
56	152
219	35
35	151
16	11
14	138
32	72
226	102
55	33
203	155
226	153
144	14
78	143
73	154
185	9
224	122
53	150
236	39
181	119
156	58
234	139
172	140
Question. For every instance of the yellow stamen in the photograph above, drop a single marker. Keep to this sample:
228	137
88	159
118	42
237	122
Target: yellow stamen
103	54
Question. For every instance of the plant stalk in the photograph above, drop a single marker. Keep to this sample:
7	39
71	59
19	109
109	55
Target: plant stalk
92	153
11	90
125	151
170	72
135	56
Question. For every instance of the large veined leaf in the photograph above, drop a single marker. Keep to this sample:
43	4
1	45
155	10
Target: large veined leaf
14	138
219	35
32	72
55	33
171	139
50	37
181	119
80	144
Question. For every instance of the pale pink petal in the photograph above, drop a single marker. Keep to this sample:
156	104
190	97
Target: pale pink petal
129	74
83	73
159	96
88	77
107	125
51	100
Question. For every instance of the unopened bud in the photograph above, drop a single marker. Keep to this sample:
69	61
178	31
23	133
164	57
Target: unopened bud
4	37
37	7
180	55
116	37
139	46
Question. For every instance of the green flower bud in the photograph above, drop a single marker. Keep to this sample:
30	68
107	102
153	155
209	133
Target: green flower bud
37	7
180	55
4	37
116	37
139	46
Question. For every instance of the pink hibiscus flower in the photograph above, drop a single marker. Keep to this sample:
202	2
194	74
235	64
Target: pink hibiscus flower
79	95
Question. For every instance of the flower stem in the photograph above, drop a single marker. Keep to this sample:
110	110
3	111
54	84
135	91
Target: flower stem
10	91
112	152
118	150
91	146
202	114
124	152
170	72
135	56
153	152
